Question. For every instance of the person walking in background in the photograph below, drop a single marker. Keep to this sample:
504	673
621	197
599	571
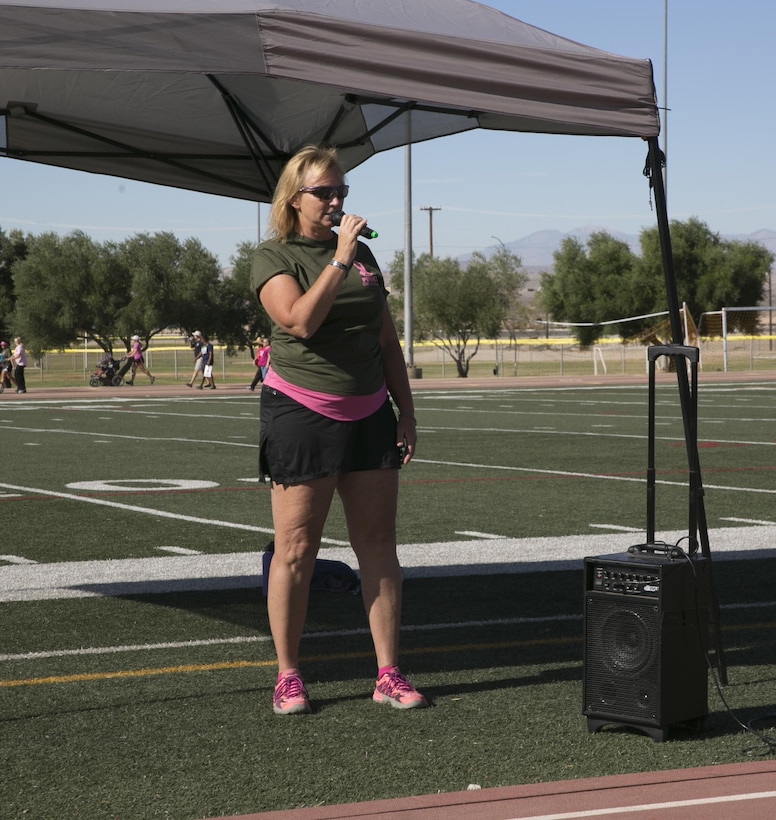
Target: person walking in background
327	424
196	346
138	362
19	359
6	366
261	361
208	355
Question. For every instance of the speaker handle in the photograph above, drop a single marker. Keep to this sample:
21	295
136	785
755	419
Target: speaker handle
670	550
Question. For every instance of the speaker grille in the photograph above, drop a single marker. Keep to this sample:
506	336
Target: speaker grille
622	657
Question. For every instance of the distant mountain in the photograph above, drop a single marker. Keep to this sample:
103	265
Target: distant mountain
764	237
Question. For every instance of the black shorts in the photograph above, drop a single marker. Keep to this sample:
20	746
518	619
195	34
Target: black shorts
297	444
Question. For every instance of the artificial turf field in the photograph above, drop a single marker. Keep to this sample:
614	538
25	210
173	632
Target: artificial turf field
146	693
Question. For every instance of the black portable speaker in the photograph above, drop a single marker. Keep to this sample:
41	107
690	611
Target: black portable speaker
645	627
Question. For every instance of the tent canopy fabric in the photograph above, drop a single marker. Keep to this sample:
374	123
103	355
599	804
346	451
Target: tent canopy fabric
215	96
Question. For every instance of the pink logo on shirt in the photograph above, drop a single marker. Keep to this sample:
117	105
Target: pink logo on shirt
368	280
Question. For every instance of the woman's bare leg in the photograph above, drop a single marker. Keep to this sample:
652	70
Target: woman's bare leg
370	498
299	512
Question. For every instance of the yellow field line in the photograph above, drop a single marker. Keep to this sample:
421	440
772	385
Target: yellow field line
231	665
137	673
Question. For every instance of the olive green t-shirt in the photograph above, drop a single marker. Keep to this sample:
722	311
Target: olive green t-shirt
343	357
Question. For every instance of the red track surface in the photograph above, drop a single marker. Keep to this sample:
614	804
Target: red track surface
744	791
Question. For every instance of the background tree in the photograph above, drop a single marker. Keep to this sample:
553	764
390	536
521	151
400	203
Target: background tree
243	318
590	284
13	246
605	280
394	282
170	284
197	287
711	273
152	263
56	290
72	287
109	289
453	306
505	267
66	287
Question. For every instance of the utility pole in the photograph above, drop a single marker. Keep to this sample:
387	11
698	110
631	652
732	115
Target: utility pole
770	311
409	355
430	228
665	94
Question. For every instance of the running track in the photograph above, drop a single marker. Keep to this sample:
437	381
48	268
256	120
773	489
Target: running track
744	791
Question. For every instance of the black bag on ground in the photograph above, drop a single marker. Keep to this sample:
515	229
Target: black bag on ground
328	575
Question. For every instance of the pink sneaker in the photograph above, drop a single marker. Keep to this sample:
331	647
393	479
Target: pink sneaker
393	688
290	697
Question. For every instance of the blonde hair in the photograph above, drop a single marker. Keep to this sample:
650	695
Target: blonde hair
312	158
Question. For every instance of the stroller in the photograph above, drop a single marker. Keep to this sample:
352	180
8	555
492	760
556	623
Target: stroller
107	374
126	363
5	375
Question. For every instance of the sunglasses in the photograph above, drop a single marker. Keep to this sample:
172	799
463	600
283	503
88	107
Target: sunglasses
327	192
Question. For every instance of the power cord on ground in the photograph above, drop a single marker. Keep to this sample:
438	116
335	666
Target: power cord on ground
767	739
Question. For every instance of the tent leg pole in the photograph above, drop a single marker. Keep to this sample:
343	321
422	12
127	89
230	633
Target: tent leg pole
687	396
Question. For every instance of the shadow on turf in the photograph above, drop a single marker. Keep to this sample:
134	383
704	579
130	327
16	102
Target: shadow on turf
262	694
755	724
759	721
443	600
455	622
474	605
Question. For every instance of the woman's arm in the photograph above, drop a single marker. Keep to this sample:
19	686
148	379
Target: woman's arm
295	311
398	384
301	313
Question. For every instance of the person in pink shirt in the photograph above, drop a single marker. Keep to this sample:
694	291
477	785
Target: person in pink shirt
138	361
261	361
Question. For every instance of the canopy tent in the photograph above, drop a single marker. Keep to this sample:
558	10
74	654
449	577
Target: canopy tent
215	96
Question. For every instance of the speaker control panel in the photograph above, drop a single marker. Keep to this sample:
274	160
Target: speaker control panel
625	580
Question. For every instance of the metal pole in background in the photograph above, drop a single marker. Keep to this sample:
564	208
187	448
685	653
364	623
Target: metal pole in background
770	312
665	94
409	358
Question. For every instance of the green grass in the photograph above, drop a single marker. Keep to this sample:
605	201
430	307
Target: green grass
175	721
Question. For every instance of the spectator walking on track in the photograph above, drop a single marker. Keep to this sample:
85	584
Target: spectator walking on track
138	361
196	347
208	355
19	359
261	361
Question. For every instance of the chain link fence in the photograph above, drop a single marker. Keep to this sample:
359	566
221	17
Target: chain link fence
525	357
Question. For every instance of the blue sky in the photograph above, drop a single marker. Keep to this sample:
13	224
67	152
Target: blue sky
719	140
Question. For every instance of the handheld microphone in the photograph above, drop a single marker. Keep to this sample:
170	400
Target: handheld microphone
366	231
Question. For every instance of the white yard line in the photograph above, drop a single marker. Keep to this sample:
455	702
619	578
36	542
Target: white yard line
80	579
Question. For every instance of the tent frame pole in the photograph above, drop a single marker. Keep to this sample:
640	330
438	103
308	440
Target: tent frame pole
698	527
